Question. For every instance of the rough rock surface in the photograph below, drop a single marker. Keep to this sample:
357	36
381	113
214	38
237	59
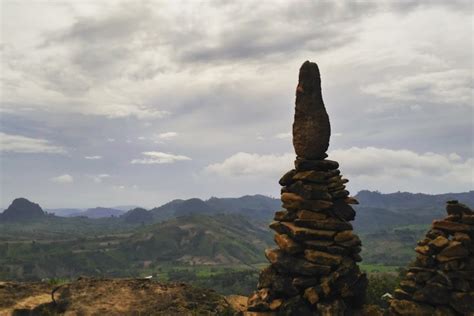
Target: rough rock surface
314	270
311	129
441	279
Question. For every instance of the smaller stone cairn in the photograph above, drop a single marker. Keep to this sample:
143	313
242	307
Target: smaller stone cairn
441	279
314	270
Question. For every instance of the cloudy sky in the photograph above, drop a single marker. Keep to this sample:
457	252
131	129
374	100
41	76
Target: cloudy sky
109	103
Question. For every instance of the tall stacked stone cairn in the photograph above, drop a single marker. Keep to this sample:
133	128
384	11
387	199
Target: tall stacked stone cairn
441	279
313	271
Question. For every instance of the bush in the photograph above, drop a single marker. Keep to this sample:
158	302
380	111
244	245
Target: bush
379	284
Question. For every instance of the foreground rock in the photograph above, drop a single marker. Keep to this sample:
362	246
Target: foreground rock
111	297
441	279
314	270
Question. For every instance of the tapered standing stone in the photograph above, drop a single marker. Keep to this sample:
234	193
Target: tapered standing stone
311	128
313	271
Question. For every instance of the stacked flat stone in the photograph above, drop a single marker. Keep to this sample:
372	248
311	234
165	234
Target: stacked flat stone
441	279
313	271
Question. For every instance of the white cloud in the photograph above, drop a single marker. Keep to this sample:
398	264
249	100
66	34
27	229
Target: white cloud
403	164
23	144
369	167
283	135
167	135
445	87
65	178
404	170
99	177
92	157
156	157
254	165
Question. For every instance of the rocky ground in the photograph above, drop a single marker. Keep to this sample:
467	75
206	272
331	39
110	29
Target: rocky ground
114	297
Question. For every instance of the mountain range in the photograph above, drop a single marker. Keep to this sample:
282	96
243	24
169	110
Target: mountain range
376	210
230	232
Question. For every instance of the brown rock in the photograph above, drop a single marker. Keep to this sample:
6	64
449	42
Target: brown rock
351	200
267	277
287	178
408	286
317	165
466	274
423	276
287	244
334	308
308	191
309	215
462	237
455	208
354	242
285	216
336	188
369	310
461	285
275	304
343	210
305	282
401	294
424	261
452	226
317	177
439	242
291	197
328	224
455	250
289	264
296	306
424	250
259	301
329	247
357	257
238	302
311	128
444	311
410	308
321	257
340	194
451	265
311	294
279	284
463	302
344	235
301	233
433	293
468	219
294	201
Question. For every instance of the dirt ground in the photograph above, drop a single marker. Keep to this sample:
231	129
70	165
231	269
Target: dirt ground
87	296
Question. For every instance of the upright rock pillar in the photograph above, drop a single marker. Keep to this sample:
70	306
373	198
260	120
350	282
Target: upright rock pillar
313	271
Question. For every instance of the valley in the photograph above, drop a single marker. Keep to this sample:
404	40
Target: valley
214	244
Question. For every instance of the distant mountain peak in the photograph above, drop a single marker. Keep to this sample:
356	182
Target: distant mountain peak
22	209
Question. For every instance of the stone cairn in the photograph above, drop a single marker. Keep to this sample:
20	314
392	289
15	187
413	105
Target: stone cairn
441	279
313	271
